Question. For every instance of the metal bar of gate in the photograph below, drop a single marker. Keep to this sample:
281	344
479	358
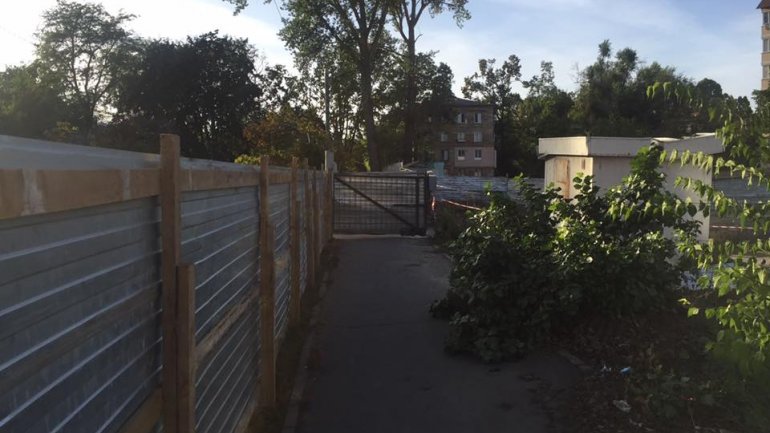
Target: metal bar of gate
362	194
417	202
425	204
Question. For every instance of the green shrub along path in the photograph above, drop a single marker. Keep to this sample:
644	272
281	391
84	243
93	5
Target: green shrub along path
524	268
528	272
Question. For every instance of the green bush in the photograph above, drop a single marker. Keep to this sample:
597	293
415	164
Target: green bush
523	268
450	222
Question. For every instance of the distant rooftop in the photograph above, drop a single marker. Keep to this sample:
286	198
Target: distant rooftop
624	146
764	4
471	103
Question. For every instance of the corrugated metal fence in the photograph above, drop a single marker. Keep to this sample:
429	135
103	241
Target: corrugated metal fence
727	228
101	329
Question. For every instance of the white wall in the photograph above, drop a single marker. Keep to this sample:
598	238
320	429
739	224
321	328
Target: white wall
610	171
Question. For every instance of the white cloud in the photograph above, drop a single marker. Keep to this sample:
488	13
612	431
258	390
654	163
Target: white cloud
173	19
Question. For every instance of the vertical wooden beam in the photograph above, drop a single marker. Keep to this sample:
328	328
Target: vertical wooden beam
266	291
186	347
316	225
310	280
294	247
170	244
330	206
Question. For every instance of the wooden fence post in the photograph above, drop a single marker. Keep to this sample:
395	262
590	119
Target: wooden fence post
316	225
186	347
329	206
266	291
309	217
294	247
170	244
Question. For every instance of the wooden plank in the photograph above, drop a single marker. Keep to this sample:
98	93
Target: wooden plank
202	180
148	414
12	193
329	196
316	227
186	347
294	247
248	414
171	242
266	389
310	280
222	327
31	192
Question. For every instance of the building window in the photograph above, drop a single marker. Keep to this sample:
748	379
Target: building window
444	137
477	137
445	155
765	45
477	117
460	154
477	154
430	119
460	137
766	18
766	71
460	118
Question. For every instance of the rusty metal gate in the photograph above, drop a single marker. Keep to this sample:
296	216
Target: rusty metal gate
381	203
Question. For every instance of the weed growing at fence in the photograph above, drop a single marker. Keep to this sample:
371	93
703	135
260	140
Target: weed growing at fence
524	268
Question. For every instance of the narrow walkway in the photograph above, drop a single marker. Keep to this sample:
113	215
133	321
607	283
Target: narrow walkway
381	366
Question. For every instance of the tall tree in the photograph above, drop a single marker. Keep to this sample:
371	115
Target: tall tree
87	50
356	27
602	87
30	107
406	16
205	89
543	113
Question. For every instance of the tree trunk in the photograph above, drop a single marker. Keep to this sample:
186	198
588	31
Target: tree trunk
408	146
365	70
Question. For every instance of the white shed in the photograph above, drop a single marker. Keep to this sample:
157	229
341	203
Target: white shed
608	160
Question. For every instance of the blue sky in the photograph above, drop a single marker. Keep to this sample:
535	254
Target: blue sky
718	39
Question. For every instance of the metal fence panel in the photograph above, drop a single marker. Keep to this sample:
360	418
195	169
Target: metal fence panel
220	236
380	203
79	317
279	215
303	236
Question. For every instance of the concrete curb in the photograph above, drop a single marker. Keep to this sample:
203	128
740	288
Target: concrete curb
291	421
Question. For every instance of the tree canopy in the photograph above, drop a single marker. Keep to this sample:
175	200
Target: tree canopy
85	51
361	88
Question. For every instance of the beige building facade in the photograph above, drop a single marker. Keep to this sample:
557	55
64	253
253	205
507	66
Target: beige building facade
464	142
764	6
608	160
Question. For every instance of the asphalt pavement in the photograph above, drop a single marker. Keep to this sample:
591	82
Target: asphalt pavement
378	363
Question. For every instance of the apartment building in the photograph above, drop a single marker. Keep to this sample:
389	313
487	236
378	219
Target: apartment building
464	141
764	6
